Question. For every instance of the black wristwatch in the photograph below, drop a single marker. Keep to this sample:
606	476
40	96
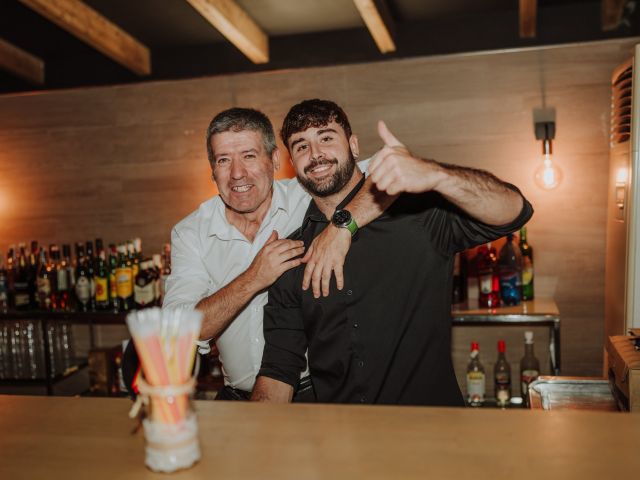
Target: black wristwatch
343	219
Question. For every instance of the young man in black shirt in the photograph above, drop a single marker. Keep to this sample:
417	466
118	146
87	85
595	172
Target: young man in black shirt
386	336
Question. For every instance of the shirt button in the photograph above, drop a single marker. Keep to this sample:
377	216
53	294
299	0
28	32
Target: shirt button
361	363
349	292
355	325
363	399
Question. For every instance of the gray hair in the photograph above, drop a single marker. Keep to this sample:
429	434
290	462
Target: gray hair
237	120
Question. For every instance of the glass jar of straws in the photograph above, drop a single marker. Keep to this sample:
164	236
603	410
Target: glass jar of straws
165	343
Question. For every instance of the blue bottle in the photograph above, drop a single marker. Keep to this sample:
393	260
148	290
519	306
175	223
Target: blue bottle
510	272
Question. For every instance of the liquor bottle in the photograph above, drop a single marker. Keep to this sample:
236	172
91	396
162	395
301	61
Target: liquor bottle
33	275
529	366
21	287
101	280
489	296
510	272
59	297
502	377
113	287
4	288
44	281
459	278
475	378
165	272
69	279
11	275
90	265
527	265
124	280
83	281
157	272
144	288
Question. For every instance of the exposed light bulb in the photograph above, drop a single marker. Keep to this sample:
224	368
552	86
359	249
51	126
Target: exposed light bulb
548	175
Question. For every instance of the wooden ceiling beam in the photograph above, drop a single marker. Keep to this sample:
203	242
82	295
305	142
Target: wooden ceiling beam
378	20
85	23
612	11
528	18
18	62
237	26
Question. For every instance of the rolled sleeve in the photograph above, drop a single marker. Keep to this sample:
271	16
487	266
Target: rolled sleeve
452	230
285	345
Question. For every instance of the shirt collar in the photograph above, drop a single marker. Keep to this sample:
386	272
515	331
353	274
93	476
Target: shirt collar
220	227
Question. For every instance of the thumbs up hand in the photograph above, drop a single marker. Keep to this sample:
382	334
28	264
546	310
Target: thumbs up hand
393	169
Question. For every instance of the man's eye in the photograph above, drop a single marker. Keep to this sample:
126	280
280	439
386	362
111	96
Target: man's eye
326	138
222	161
301	148
249	156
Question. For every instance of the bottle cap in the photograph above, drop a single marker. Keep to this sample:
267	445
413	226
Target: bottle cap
528	336
501	346
475	346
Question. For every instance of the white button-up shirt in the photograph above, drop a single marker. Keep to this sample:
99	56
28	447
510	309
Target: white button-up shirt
207	253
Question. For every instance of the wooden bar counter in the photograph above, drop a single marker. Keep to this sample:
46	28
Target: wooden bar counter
90	438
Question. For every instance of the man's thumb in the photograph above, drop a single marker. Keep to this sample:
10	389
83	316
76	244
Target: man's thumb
387	137
272	238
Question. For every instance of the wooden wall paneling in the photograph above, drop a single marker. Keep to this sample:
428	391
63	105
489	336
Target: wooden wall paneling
131	160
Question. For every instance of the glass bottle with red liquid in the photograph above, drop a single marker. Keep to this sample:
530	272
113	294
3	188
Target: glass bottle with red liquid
487	261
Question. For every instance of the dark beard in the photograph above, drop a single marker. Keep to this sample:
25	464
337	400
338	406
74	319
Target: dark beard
333	184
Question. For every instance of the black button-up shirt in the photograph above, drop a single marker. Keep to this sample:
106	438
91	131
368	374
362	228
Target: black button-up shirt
386	337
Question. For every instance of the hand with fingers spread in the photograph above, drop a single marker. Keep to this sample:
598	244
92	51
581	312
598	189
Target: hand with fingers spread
326	256
273	259
394	169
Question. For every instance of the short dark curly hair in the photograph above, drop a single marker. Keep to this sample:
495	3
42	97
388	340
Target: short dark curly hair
239	119
313	113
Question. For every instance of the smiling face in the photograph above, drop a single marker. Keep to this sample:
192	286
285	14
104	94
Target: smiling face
323	158
243	170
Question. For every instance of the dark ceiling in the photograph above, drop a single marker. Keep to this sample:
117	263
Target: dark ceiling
301	33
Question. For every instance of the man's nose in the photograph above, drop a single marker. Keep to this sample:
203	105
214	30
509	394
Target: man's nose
316	152
237	170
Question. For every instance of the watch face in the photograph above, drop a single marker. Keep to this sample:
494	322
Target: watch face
341	217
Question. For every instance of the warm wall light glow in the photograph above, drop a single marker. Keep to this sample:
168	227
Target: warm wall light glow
548	175
622	175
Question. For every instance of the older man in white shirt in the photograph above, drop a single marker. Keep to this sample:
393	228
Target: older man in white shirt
233	247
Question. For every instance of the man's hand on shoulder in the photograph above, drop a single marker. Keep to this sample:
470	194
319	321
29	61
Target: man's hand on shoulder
394	170
324	257
273	259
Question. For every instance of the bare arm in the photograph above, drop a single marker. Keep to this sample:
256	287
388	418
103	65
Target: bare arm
327	252
483	196
269	390
220	308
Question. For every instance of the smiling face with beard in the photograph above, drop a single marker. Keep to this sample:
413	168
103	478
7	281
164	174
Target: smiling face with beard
323	158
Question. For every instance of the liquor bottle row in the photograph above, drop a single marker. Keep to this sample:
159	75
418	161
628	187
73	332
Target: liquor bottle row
476	375
22	352
50	279
504	278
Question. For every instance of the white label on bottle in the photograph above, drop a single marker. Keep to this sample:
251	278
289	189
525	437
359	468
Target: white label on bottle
144	295
92	287
485	284
475	386
62	280
83	289
44	286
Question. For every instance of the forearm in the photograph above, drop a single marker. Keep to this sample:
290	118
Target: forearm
479	193
223	306
269	390
369	203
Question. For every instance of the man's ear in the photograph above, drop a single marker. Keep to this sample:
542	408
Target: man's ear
275	158
353	145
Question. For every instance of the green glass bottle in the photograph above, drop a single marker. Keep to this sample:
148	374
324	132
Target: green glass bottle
527	265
